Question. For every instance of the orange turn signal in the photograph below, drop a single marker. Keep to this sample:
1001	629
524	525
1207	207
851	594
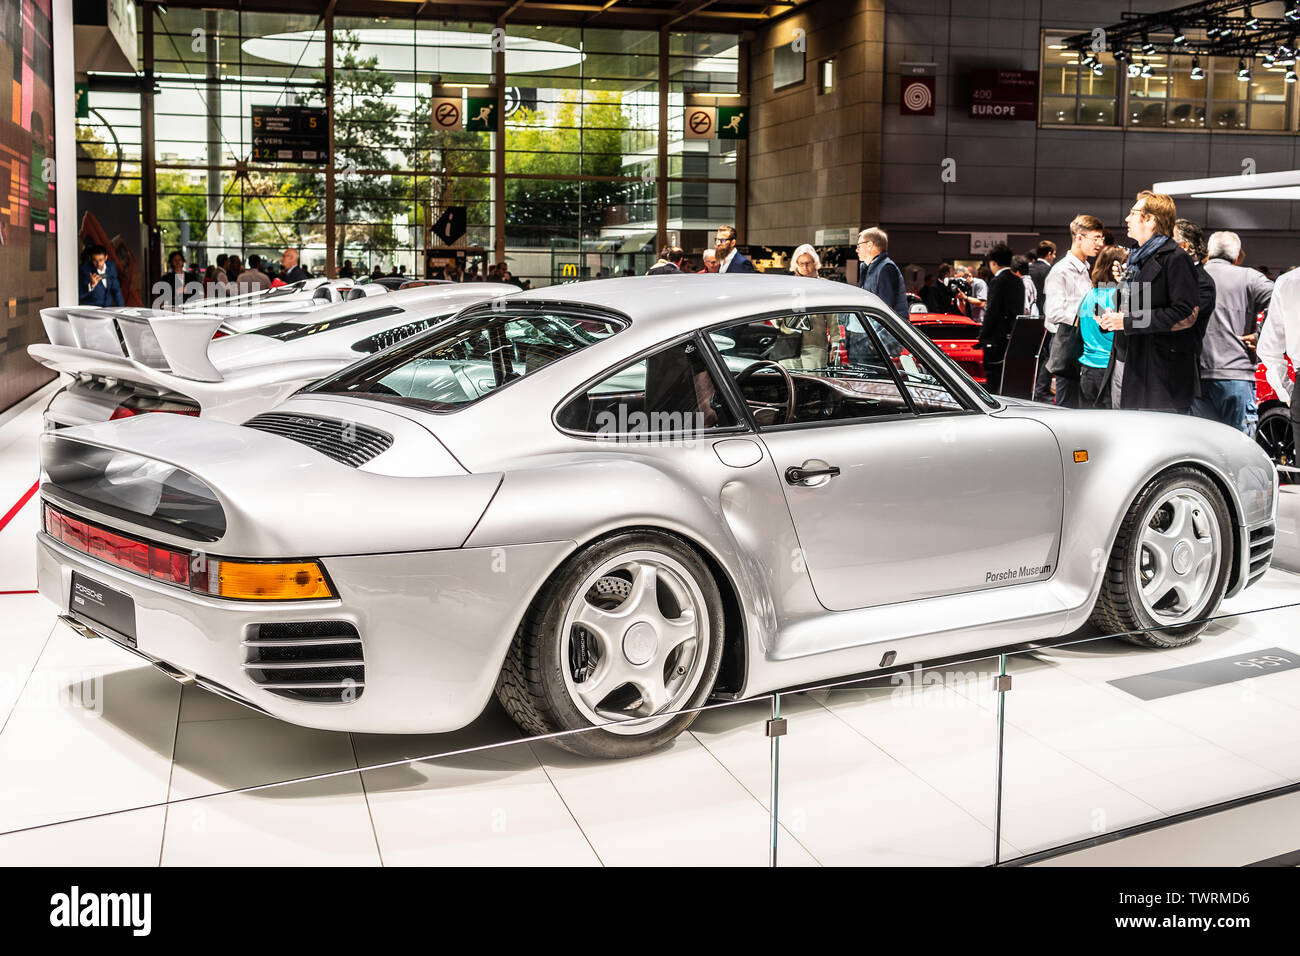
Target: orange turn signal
258	581
1080	457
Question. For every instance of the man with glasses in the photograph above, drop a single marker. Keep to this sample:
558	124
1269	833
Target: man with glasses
880	274
1154	363
730	259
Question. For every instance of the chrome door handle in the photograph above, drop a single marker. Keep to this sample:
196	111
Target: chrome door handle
797	476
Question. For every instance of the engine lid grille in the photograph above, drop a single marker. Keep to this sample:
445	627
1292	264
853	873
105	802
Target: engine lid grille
346	442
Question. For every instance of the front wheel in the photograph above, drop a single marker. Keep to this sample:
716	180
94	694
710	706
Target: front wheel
625	636
1168	569
1276	436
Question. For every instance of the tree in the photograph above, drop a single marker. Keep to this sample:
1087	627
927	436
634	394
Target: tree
584	137
366	194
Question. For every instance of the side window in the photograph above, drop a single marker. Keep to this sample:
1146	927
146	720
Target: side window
811	348
928	391
672	392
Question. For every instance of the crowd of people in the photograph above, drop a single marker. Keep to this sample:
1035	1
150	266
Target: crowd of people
1169	320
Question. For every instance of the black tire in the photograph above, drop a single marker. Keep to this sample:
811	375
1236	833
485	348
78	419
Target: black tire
532	686
1275	435
1120	609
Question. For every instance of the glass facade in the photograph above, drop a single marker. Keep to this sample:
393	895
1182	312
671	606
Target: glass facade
1163	91
579	150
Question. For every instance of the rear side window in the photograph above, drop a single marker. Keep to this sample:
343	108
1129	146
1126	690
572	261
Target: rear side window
672	392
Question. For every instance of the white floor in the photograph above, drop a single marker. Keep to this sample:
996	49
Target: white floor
894	774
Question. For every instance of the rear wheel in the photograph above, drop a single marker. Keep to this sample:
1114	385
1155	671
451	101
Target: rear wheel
624	637
1168	569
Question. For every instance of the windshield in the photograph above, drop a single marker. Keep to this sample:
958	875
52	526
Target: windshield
461	363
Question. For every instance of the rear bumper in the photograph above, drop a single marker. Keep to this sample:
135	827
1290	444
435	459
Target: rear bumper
434	626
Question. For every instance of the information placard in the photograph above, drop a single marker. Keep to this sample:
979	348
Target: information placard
290	134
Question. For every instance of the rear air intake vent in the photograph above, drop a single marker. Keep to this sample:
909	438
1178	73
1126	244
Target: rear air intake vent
345	442
317	661
1261	551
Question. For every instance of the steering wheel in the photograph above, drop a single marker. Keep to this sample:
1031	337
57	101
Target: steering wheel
775	413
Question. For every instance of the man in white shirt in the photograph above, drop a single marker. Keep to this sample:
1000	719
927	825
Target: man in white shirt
1063	291
1279	338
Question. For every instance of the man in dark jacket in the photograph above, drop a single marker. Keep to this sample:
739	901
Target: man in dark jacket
939	297
97	282
1006	301
293	272
879	272
730	259
670	262
1154	361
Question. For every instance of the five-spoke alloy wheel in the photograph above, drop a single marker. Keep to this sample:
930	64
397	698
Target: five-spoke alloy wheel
1169	566
625	636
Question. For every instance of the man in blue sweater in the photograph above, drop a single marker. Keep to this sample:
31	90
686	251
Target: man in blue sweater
97	282
879	273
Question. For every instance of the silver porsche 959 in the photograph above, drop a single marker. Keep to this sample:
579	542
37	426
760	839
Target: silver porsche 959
609	502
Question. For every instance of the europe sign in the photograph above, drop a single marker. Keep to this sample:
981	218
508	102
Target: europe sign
1004	94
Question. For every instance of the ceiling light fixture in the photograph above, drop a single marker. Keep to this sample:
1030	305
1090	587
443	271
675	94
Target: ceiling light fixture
1197	72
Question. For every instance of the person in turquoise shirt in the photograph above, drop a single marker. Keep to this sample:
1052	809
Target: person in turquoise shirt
1101	298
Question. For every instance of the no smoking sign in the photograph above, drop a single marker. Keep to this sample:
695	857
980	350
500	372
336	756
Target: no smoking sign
701	122
446	113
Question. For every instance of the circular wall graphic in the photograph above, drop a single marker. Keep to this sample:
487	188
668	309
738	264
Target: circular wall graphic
917	97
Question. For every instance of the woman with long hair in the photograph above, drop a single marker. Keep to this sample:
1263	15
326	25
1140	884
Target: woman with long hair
1101	298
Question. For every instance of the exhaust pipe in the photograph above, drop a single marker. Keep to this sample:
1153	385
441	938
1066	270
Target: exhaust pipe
80	628
178	676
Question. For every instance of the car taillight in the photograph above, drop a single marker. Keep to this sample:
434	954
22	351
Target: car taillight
131	554
142	404
242	580
220	334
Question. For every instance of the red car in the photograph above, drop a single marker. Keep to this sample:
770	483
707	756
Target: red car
1274	431
956	335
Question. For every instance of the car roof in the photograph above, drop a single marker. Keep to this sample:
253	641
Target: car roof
663	306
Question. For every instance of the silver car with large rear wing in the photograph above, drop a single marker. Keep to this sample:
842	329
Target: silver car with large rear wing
607	502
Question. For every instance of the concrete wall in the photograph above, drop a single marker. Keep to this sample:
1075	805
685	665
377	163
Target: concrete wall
1011	176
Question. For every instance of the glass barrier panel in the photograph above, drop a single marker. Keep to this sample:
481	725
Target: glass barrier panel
1105	732
898	770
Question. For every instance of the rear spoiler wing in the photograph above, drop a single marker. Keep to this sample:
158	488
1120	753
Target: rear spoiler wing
151	339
